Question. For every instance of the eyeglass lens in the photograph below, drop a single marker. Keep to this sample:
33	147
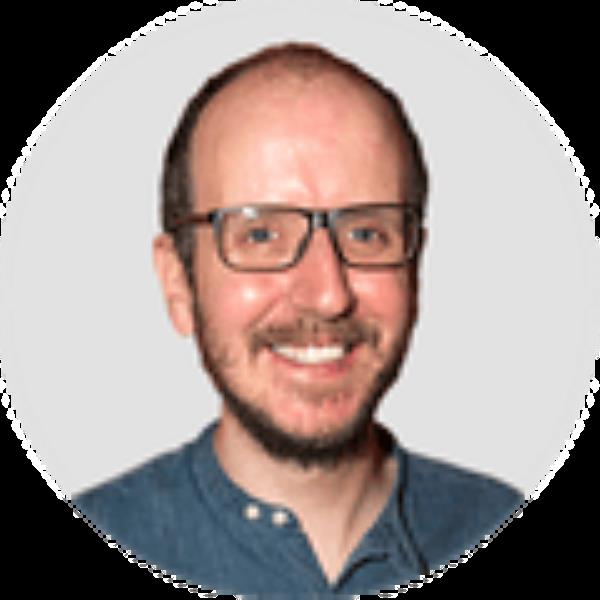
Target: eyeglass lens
269	239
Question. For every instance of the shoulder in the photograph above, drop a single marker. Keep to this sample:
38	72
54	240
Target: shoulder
143	508
445	485
161	475
451	509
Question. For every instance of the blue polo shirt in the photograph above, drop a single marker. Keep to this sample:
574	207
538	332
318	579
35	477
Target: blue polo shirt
182	513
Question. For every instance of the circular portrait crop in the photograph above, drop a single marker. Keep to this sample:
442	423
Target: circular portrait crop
287	313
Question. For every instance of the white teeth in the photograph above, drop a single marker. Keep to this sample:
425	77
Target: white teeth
311	355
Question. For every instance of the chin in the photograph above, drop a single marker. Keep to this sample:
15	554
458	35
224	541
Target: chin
316	442
317	415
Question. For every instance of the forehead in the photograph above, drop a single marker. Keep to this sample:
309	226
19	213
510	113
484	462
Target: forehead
276	137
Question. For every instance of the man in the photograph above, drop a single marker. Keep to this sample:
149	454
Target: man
294	190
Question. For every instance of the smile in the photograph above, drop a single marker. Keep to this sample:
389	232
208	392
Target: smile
311	355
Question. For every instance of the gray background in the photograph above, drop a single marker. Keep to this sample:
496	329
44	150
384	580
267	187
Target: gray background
504	349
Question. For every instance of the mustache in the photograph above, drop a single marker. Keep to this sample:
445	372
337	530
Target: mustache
348	332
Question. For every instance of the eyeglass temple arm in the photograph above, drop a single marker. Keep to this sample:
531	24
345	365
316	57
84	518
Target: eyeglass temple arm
200	219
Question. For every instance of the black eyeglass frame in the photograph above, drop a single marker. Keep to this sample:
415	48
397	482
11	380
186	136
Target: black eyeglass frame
316	218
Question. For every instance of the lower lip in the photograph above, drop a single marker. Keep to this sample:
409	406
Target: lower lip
325	369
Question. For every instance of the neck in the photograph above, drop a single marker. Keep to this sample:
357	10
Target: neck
335	504
276	480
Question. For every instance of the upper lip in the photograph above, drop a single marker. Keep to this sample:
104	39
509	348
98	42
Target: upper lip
347	336
320	343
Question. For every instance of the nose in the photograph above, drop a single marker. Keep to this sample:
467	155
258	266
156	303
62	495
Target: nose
320	280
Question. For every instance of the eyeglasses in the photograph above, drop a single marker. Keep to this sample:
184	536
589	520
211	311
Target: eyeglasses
274	238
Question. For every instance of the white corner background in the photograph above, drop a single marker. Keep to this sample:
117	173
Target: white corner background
504	350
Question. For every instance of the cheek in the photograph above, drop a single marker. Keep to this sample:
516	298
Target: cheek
385	297
233	302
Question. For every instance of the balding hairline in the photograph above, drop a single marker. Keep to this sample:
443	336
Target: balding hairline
305	63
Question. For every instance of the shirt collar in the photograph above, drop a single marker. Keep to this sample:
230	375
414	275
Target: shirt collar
229	500
388	537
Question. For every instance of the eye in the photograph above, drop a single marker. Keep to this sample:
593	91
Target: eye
261	235
365	235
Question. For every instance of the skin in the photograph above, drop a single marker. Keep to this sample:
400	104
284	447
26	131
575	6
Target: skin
325	143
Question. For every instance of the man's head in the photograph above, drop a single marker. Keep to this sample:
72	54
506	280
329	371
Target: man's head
300	354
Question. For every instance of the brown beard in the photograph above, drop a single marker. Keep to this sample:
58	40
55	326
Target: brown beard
327	450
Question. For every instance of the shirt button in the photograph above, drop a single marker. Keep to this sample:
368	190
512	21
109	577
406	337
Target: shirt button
252	512
279	518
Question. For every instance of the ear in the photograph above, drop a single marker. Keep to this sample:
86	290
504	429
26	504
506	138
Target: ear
174	284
